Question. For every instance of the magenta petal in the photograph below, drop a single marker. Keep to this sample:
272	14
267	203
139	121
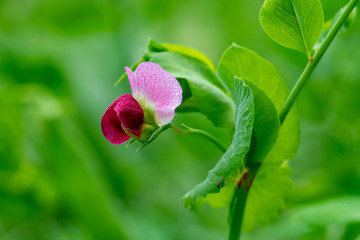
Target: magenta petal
157	88
111	126
130	114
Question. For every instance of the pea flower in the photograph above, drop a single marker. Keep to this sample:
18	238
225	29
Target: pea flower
155	96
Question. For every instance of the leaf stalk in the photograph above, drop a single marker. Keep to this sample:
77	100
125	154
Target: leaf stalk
208	136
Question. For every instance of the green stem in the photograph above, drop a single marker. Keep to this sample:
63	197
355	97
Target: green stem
236	212
202	133
238	202
315	60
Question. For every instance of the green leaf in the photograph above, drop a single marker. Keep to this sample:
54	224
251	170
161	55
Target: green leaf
233	158
243	63
272	183
295	24
266	126
203	89
265	132
246	64
190	52
266	196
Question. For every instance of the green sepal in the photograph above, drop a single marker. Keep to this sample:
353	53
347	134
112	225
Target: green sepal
154	135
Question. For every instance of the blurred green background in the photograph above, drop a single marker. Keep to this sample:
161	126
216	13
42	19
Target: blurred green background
61	179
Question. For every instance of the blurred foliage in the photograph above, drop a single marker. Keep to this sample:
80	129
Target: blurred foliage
60	178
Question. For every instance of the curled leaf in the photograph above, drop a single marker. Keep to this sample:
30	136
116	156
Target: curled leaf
233	158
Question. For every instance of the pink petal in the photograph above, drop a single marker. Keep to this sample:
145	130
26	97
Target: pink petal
123	112
156	88
130	114
131	77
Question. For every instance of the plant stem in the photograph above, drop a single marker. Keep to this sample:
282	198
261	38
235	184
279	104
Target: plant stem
311	65
202	133
238	203
236	212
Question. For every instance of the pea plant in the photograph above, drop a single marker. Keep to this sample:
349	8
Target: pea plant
244	94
